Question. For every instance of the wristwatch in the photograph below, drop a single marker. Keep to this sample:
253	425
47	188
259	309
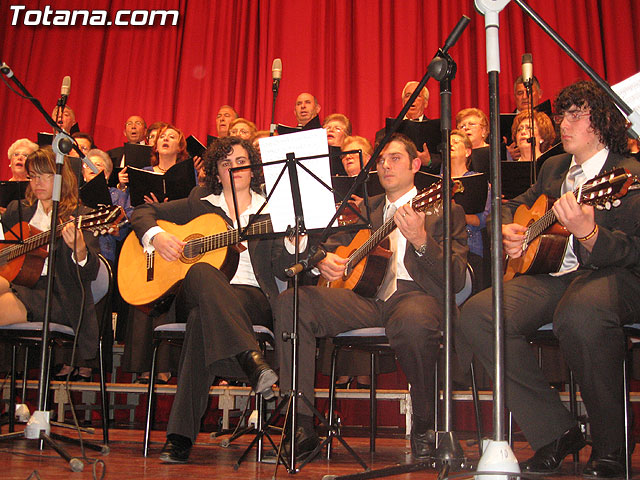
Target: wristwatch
422	249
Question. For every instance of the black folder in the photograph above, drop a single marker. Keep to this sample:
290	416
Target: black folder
311	125
10	191
95	192
44	139
195	148
137	155
342	184
481	159
516	178
473	195
420	133
175	183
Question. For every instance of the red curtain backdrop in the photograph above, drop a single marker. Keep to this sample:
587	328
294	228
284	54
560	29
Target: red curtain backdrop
355	56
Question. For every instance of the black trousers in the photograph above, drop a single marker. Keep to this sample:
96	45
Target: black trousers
411	318
588	309
220	319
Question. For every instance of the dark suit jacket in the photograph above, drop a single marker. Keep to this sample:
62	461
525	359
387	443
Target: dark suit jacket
268	256
428	271
67	288
618	242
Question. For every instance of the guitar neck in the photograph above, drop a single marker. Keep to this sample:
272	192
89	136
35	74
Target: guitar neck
224	239
377	237
36	241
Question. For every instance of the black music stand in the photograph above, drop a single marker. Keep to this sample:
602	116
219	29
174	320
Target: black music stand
290	404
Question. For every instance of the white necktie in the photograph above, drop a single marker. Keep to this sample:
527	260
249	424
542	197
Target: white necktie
389	284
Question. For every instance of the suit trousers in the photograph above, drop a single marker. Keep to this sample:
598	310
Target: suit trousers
588	309
411	317
220	319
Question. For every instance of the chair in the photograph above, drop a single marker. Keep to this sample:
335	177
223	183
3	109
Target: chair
544	336
29	334
374	341
174	333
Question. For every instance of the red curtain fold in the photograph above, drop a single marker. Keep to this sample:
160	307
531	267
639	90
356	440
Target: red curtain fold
355	56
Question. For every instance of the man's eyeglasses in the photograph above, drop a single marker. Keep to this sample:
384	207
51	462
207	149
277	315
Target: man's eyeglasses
571	116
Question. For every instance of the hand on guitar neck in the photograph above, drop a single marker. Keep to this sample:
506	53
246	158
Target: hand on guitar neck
578	219
74	238
168	246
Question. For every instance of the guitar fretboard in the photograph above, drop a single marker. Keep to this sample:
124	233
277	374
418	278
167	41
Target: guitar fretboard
36	241
201	245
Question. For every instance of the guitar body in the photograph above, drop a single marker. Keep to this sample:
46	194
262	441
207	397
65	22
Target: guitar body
365	277
143	279
545	253
24	269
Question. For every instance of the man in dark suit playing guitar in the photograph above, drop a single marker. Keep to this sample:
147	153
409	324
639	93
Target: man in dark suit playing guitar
219	311
589	296
409	303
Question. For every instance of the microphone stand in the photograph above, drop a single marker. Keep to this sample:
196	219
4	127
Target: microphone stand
533	174
39	427
275	88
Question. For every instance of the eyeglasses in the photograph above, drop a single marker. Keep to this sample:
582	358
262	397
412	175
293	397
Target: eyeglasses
571	116
137	123
44	177
19	154
464	126
333	128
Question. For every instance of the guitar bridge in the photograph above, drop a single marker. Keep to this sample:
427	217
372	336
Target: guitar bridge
150	265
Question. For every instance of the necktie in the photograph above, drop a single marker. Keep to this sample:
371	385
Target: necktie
389	284
575	178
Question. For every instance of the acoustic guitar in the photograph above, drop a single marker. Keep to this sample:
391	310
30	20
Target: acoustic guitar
144	277
545	240
22	262
368	254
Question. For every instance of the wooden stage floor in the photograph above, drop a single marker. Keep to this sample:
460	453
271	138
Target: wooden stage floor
19	458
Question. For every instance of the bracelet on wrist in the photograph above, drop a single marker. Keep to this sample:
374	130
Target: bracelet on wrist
590	236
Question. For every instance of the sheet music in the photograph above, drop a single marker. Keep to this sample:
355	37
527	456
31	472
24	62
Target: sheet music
318	204
629	91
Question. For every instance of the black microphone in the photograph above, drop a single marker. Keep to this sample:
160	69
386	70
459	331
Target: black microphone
276	74
527	69
65	89
308	263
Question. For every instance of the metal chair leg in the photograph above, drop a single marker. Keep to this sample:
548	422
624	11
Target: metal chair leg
332	399
373	407
103	396
152	377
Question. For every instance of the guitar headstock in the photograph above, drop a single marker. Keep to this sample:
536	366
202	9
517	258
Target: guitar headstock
432	195
105	220
604	191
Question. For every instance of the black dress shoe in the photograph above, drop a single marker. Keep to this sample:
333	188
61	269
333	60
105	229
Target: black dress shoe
176	449
307	441
422	444
611	465
548	459
261	376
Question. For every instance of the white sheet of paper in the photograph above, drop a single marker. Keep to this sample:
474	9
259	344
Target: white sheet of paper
318	204
629	91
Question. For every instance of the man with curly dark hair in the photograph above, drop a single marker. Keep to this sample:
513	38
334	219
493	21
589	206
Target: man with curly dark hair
219	308
593	294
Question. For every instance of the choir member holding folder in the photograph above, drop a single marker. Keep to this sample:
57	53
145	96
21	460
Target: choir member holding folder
173	179
461	149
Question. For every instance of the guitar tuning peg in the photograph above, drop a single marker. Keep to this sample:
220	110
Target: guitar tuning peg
599	206
617	202
607	205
